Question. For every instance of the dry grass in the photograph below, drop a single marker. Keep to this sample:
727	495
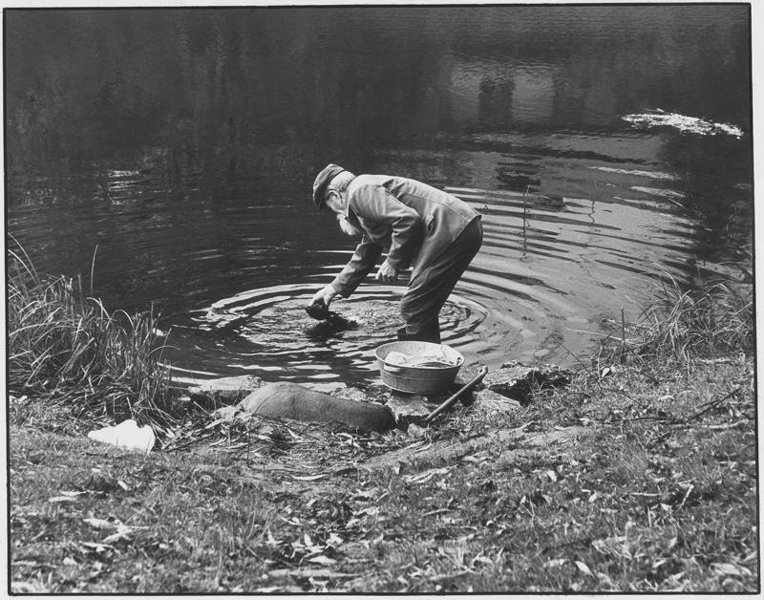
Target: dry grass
63	345
683	323
689	323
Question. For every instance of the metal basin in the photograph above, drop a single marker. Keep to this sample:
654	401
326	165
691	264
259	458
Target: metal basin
420	379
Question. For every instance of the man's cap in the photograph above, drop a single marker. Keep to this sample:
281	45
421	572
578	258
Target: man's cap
323	179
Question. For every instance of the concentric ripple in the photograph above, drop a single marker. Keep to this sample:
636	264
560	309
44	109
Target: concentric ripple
561	260
552	274
268	332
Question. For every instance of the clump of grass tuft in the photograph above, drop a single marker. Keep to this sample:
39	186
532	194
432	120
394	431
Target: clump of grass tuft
698	322
683	323
63	344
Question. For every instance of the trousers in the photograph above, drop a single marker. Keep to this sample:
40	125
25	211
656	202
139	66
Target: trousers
429	290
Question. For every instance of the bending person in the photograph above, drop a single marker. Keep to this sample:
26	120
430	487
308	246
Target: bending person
435	233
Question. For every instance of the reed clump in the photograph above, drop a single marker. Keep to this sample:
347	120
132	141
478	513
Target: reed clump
706	321
685	322
65	346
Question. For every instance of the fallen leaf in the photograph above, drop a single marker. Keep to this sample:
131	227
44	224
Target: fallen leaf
100	523
310	477
604	578
62	499
416	431
730	569
322	560
271	540
555	562
426	475
96	546
674	579
123	533
481	560
751	556
583	568
478	458
615	546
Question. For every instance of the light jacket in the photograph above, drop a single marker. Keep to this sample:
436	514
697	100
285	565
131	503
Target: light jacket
415	220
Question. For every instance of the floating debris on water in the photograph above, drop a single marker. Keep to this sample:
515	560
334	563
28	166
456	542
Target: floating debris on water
635	172
666	193
685	124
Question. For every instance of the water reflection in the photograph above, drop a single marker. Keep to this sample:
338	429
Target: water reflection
198	90
182	144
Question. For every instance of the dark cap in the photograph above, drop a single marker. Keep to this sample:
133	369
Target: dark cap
323	179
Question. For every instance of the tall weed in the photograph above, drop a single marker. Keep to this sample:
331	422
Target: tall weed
699	322
64	344
683	323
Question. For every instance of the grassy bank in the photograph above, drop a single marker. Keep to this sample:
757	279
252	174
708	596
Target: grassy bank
639	476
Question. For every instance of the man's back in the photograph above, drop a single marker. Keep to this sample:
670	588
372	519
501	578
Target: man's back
423	198
443	216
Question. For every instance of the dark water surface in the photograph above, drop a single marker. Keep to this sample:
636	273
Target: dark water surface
179	147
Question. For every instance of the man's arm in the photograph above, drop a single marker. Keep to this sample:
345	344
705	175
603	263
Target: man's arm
362	261
345	283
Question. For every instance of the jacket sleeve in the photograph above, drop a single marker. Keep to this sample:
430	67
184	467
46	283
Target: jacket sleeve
377	205
362	261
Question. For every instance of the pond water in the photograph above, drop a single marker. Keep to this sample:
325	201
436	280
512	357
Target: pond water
172	151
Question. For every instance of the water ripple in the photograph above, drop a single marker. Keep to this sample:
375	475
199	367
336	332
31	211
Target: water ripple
552	270
267	330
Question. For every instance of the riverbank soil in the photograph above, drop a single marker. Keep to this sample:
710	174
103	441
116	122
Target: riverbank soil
630	479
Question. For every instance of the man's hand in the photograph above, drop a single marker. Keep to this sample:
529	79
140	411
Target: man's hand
324	295
387	273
